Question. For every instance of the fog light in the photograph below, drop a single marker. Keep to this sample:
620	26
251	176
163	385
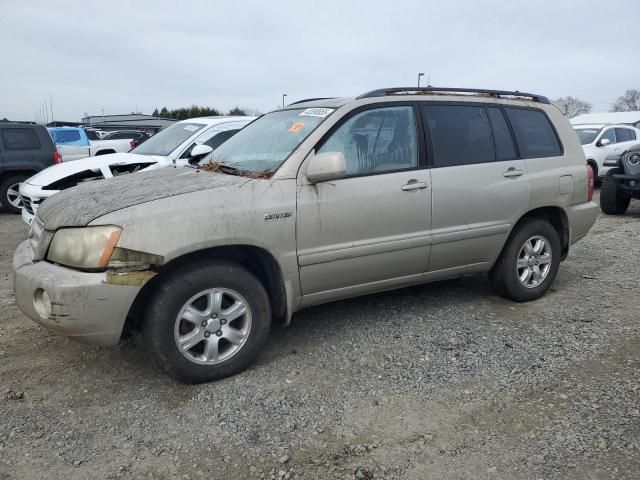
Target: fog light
42	303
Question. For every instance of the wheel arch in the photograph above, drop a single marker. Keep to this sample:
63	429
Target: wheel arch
257	260
557	217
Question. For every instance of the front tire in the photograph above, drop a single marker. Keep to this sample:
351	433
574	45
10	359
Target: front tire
9	193
528	263
612	201
207	321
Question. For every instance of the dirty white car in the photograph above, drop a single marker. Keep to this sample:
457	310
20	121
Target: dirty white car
173	145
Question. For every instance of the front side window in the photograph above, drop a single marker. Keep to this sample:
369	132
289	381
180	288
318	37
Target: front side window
534	133
213	139
587	135
460	135
610	135
376	140
20	139
167	140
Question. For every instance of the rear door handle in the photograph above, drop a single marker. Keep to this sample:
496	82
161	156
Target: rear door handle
414	185
513	172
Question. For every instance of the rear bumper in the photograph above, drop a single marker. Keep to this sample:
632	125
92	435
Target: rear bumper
627	183
581	219
82	306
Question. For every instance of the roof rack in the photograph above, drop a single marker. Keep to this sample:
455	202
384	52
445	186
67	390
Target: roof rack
311	100
494	93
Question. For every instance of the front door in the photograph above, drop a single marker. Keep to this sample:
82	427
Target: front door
364	231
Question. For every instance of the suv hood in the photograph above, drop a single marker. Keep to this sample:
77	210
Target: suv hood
78	206
58	172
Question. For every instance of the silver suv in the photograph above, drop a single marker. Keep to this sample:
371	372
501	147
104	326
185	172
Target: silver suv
322	200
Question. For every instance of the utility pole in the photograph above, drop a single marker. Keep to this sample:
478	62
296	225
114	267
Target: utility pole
419	76
283	96
51	107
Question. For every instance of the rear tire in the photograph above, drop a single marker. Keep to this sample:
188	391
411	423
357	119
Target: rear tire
9	193
221	346
515	273
612	201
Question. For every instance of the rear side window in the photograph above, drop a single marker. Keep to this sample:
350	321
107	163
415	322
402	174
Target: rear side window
625	135
505	149
463	135
534	133
20	139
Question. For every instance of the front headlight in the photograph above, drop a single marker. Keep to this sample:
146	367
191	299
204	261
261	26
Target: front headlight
84	248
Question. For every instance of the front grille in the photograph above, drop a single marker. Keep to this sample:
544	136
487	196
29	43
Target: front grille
26	204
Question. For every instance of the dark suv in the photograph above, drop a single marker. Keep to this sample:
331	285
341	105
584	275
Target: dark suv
25	149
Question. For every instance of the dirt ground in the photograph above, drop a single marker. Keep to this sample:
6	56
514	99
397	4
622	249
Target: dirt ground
442	381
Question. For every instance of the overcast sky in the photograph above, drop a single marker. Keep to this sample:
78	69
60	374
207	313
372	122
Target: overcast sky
117	56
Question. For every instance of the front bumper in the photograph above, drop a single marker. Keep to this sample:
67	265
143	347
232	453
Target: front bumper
627	183
83	306
581	219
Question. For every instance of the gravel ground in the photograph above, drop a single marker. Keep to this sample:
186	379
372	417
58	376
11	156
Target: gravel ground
442	381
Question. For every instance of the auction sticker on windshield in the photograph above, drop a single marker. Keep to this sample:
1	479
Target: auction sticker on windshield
316	112
192	128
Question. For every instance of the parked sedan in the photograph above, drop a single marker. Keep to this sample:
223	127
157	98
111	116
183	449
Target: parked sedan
172	146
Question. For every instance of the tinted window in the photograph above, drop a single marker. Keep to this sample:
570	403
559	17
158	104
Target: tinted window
505	149
377	140
534	133
625	135
20	139
459	134
609	135
217	140
92	135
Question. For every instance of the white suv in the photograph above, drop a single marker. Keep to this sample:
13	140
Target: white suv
600	141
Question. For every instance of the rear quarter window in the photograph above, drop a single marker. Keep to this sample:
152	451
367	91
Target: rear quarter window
20	139
534	133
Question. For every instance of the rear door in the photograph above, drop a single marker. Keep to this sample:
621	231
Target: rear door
480	186
626	138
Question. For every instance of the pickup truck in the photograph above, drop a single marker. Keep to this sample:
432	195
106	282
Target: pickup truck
74	144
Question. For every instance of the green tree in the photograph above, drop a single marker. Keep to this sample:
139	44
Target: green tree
237	111
155	113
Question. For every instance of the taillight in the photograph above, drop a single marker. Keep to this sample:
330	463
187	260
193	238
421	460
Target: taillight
57	158
591	183
132	144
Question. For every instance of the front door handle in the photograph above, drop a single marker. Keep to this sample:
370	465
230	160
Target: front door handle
513	172
413	185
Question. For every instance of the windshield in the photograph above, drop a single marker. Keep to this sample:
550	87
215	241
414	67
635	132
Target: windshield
166	141
264	144
587	135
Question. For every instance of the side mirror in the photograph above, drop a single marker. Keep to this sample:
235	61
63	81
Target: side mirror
200	151
603	142
326	166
